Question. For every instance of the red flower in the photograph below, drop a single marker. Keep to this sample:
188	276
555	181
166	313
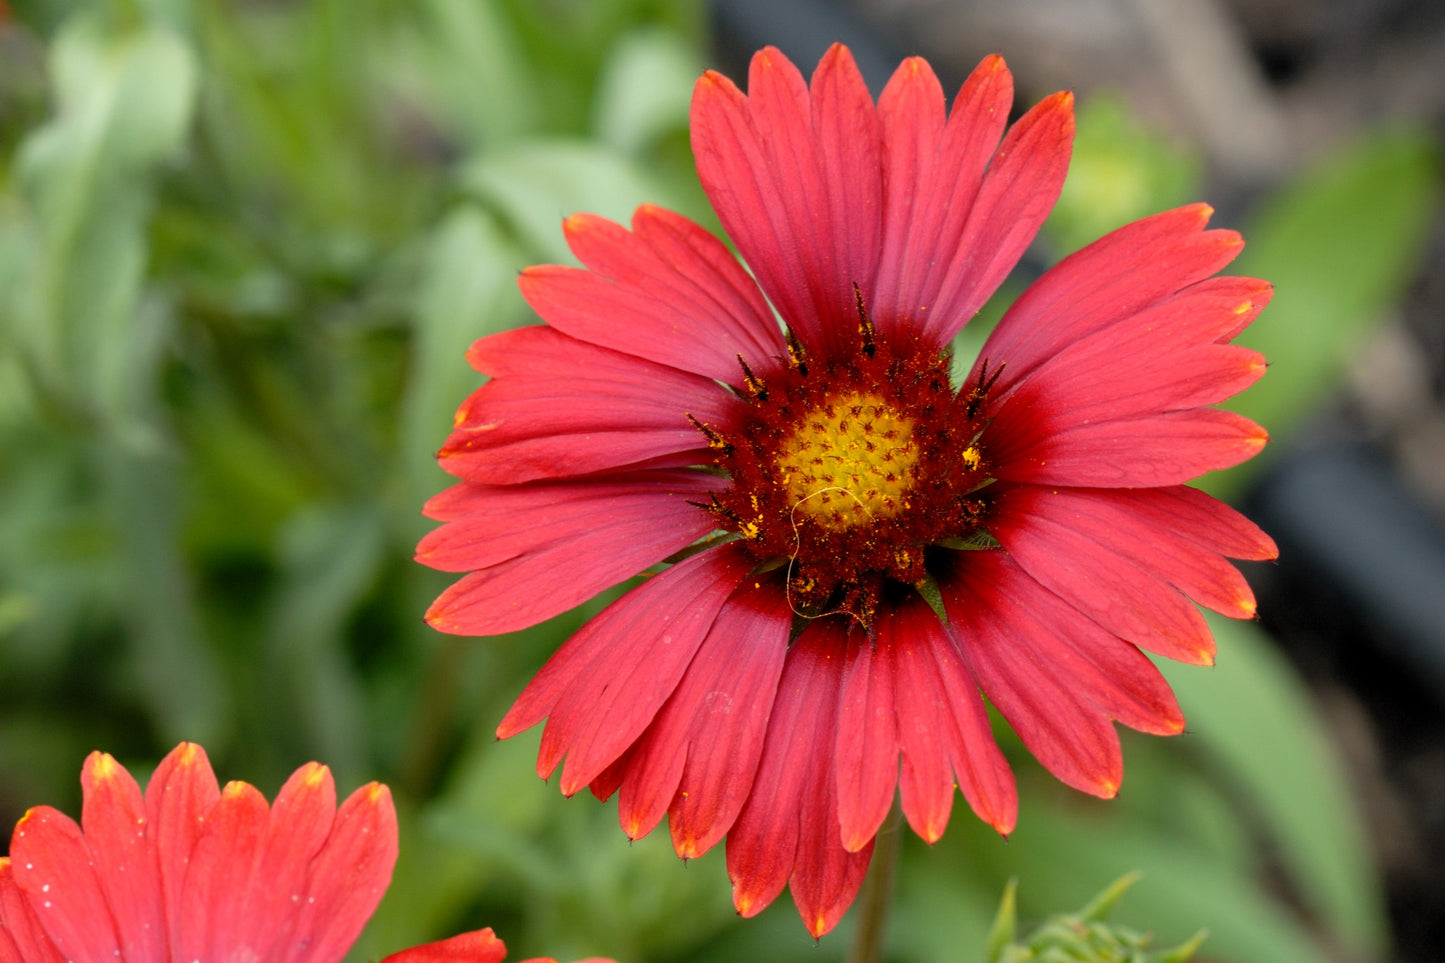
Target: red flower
860	543
190	871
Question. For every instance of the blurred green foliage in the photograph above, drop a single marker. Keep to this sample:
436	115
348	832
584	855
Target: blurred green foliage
243	248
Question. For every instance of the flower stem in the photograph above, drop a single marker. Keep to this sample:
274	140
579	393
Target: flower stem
878	893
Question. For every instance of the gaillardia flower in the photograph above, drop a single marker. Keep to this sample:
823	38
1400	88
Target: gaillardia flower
862	546
190	871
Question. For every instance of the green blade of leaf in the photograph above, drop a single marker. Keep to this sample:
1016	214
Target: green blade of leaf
1250	716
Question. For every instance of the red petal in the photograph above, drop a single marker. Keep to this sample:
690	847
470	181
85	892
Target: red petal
479	946
932	176
848	136
1204	520
713	269
542	548
1022	183
867	749
123	851
609	780
827	878
1164	358
22	939
222	869
696	760
180	795
671	293
53	865
1165	449
1080	655
1128	600
1117	276
787	206
1108	523
1116	375
1058	724
788	830
943	729
299	825
606	683
348	878
560	407
1212	311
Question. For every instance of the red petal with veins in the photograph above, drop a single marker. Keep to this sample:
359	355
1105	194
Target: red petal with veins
1109	525
1099	379
1193	515
1078	654
943	728
759	158
604	686
114	822
867	749
847	132
1120	274
560	407
1001	645
696	760
22	939
787	833
1148	452
298	827
933	169
1113	590
347	878
179	795
220	870
1023	180
687	300
539	549
53	865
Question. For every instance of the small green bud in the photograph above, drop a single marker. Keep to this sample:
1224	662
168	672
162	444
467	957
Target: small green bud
1083	937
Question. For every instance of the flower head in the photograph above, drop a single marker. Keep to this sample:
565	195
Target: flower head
188	870
863	545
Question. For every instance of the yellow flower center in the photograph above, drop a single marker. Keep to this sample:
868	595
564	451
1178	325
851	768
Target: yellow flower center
849	463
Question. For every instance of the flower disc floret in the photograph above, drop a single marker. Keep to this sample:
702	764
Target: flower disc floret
850	462
846	469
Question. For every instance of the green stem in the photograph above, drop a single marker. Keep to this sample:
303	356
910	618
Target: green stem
877	896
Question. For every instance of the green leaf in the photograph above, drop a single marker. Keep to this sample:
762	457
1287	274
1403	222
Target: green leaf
645	90
330	558
1339	243
1005	923
170	661
1102	905
468	290
1185	951
1250	718
463	58
124	104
